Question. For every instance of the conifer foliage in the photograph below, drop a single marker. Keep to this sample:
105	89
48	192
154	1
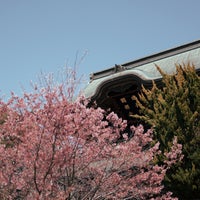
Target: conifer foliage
174	110
53	148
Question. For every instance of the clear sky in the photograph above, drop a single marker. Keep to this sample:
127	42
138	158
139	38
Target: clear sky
46	35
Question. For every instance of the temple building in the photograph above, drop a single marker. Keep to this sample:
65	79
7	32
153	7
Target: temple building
114	87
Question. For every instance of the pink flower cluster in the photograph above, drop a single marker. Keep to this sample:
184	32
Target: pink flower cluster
53	148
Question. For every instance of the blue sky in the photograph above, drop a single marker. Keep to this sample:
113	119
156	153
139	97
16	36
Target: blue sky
46	35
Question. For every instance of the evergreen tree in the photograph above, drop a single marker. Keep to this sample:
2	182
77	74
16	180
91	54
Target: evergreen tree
174	110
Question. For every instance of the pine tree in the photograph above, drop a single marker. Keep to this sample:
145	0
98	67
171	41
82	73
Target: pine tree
174	110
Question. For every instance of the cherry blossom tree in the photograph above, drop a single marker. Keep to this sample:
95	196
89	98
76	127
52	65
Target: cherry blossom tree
53	148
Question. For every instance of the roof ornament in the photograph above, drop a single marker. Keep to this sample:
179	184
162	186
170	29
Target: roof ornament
91	77
119	68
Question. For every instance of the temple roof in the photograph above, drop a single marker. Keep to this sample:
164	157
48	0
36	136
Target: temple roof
144	70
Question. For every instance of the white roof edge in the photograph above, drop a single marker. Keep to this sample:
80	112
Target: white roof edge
147	71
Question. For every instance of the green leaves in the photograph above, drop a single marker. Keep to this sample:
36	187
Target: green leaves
174	110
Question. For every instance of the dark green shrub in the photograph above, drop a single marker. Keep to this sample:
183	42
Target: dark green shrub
174	109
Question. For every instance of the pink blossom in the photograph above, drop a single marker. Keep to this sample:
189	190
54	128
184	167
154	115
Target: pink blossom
53	148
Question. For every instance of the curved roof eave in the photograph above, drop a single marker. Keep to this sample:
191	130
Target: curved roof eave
146	71
95	85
